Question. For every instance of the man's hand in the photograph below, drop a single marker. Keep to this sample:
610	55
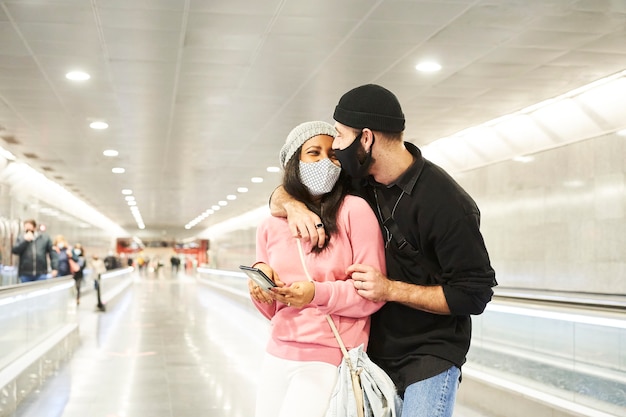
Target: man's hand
303	223
370	283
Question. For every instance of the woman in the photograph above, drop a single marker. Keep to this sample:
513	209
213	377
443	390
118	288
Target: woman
64	254
300	366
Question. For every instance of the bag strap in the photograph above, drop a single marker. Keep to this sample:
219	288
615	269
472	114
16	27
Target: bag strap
328	318
401	243
390	224
357	389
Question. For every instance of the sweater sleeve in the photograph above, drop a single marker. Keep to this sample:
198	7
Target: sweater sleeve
268	310
340	297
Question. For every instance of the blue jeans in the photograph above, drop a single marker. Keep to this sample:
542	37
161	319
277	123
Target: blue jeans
432	397
29	278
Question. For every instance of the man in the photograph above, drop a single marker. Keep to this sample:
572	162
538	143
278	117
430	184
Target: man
175	261
34	250
110	261
97	265
438	268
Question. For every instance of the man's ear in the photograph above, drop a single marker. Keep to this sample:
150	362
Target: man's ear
367	139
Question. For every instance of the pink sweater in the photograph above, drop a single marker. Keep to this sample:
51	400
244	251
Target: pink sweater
304	334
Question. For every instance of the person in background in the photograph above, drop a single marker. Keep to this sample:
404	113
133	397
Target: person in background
299	370
439	271
78	254
110	261
157	264
35	251
64	254
142	263
98	268
175	262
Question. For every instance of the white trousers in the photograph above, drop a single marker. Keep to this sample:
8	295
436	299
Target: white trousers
294	388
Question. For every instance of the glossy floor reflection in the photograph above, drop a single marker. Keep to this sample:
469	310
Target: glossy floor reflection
166	347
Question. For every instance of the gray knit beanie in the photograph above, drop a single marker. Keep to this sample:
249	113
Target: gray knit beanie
301	134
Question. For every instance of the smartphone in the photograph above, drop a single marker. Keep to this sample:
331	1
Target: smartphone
258	276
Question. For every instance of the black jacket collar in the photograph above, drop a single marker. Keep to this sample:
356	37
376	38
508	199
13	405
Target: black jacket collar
406	182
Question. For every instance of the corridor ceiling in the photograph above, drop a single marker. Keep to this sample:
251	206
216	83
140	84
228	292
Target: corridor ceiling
199	95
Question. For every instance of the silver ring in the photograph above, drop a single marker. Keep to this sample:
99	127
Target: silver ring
289	304
319	225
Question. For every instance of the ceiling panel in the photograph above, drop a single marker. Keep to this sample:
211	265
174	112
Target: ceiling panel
200	94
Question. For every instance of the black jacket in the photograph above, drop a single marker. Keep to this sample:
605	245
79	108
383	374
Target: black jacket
441	222
34	255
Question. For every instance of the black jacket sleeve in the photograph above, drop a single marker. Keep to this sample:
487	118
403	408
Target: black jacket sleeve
467	274
19	246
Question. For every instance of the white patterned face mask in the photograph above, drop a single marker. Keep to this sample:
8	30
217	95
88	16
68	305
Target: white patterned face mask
319	177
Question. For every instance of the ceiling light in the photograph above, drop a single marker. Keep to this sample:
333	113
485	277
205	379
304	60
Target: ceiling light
273	169
242	190
231	197
565	119
129	198
132	203
137	216
49	211
256	180
126	191
523	159
428	66
574	183
215	208
77	76
118	170
110	152
98	125
7	155
222	203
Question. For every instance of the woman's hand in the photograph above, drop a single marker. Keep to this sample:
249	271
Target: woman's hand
259	294
296	295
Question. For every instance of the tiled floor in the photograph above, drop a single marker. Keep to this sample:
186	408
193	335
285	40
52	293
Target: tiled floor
167	347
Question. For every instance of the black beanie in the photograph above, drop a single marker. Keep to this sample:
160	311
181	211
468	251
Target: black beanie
370	106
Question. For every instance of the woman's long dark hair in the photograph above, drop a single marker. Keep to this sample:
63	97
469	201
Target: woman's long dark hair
326	208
